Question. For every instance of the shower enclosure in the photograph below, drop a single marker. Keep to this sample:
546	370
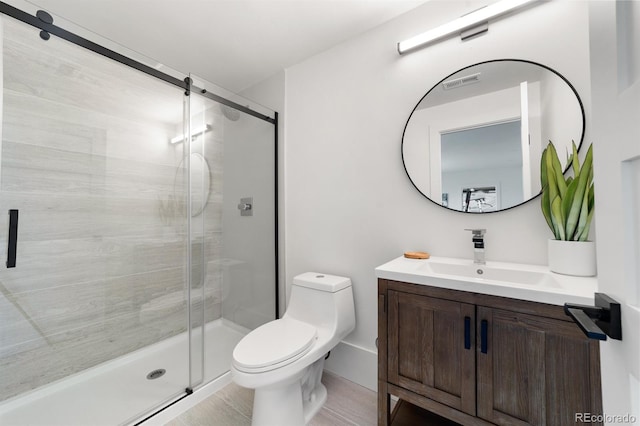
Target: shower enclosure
140	232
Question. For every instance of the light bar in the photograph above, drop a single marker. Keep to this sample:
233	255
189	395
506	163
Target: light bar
462	23
194	133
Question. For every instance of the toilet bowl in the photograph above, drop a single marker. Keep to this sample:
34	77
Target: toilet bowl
283	359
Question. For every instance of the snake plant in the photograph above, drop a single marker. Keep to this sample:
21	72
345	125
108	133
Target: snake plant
567	203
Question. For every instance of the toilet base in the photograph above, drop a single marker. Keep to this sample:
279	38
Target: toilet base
278	406
311	407
293	403
283	406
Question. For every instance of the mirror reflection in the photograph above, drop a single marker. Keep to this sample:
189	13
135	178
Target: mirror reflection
473	142
200	183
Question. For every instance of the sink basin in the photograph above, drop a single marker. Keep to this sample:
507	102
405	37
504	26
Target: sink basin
492	273
519	281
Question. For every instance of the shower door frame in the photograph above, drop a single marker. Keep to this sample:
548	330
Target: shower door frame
50	28
43	21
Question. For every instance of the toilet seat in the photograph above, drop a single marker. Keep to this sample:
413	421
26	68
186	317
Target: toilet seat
274	345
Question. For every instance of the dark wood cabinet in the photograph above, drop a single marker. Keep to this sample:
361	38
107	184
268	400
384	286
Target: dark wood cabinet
536	370
483	360
427	352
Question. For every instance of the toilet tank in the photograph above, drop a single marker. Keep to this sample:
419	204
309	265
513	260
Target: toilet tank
322	282
323	300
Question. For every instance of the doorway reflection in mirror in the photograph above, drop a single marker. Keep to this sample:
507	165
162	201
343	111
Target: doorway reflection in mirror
491	132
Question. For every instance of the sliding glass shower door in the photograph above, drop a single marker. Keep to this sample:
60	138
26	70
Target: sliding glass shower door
102	236
139	227
233	228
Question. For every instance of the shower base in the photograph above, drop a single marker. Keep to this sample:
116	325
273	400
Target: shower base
118	392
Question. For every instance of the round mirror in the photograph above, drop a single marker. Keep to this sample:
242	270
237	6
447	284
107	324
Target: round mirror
473	143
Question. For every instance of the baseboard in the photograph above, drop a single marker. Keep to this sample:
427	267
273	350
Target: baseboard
354	363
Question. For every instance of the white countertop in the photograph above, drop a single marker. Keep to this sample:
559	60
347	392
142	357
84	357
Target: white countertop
518	281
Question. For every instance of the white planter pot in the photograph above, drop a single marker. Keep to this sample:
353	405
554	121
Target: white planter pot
572	257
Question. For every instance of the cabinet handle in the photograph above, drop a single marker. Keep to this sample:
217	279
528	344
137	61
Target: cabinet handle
484	326
13	238
382	303
467	332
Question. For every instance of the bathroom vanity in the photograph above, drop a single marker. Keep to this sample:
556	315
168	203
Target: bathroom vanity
484	344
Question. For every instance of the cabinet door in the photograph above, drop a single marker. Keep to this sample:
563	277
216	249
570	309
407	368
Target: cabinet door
431	349
534	370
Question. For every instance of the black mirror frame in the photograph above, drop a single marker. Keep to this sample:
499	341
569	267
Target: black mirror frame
473	65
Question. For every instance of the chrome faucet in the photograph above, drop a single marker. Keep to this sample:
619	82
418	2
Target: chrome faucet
477	236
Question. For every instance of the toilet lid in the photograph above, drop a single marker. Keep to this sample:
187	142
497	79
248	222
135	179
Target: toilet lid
273	343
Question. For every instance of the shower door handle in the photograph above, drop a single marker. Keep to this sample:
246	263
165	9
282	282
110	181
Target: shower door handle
13	238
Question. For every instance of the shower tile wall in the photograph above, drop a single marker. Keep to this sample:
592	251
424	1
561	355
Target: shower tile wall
102	234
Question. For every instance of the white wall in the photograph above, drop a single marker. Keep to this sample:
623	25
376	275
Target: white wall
350	205
558	120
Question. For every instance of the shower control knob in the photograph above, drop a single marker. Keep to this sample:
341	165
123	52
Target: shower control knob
246	206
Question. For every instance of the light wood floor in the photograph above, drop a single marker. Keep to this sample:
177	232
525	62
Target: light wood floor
347	404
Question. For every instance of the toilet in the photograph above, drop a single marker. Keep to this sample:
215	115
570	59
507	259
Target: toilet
283	359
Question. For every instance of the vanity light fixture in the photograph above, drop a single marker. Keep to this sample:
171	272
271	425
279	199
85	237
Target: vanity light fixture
194	133
465	22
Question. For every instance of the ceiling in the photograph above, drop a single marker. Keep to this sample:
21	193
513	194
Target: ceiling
231	43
